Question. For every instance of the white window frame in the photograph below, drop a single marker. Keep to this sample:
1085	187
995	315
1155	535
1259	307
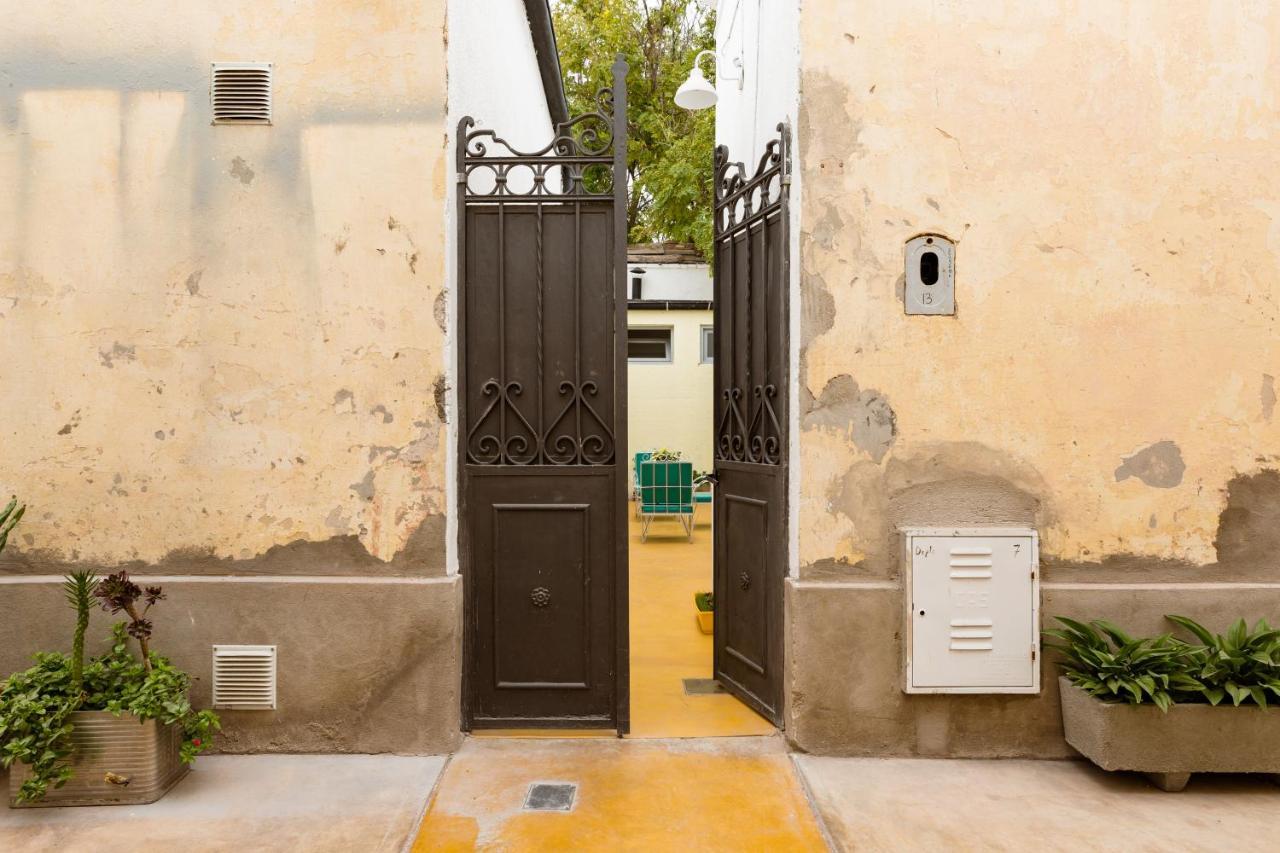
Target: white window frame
706	354
671	345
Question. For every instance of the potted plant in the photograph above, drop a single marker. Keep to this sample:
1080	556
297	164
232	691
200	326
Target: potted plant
1157	705
115	730
706	604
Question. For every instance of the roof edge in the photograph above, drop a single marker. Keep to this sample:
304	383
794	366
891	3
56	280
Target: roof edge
544	45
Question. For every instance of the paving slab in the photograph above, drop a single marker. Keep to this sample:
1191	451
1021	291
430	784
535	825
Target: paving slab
960	805
247	802
705	794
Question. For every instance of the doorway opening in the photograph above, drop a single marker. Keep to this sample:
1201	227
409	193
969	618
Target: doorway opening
671	421
707	376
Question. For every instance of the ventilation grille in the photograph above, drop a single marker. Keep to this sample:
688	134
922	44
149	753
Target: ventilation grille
241	93
244	678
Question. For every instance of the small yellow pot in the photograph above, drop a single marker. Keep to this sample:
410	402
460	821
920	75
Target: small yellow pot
706	621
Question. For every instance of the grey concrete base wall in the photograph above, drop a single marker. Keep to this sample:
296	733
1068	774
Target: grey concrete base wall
844	667
365	665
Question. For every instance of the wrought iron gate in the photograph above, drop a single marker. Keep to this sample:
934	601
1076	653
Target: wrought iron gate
542	435
751	358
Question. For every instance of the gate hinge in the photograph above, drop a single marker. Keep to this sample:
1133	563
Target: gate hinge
1033	652
460	178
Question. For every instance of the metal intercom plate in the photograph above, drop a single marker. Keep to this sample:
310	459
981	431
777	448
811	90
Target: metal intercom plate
931	275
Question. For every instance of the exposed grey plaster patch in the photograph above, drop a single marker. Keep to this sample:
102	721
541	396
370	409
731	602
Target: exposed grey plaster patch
439	310
337	519
344	401
1159	465
1046	248
380	409
28	539
441	390
1152	522
1268	396
118	351
364	488
240	170
392	223
851	38
933	202
413	263
864	417
1249	526
160	434
193	282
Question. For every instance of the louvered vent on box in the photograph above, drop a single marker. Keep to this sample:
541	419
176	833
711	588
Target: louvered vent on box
244	677
241	93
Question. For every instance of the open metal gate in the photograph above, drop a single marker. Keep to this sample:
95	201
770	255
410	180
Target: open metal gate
542	435
751	381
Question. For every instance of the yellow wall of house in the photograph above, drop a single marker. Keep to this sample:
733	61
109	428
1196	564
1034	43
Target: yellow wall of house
1110	174
220	339
670	405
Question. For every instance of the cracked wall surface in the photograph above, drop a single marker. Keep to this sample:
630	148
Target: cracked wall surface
1109	176
1110	179
221	340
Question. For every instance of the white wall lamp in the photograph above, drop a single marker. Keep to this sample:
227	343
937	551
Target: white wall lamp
697	92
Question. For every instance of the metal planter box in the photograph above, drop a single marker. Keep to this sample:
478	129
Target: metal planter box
1169	747
146	753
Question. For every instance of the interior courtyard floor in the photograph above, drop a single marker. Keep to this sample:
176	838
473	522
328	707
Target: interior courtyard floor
666	645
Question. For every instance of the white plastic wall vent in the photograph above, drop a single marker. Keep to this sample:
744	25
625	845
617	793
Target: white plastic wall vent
973	623
241	92
244	678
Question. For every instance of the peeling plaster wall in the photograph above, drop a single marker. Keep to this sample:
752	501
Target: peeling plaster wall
1110	177
221	339
224	345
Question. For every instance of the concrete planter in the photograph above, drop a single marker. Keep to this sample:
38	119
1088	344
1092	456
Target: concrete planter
1168	748
143	752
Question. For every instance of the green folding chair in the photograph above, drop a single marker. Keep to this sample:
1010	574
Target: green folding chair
666	491
642	456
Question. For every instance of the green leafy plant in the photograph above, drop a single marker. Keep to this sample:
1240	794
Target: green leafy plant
1241	664
705	601
118	593
664	454
1107	663
9	518
36	704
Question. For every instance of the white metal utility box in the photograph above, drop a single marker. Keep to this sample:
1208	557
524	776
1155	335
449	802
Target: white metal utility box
973	610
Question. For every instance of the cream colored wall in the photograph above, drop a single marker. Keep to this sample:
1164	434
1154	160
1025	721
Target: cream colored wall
670	405
221	339
1111	174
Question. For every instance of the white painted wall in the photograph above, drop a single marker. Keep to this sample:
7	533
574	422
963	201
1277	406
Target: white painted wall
765	36
494	78
673	281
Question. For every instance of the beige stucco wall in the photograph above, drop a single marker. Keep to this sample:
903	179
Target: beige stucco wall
224	349
222	339
1110	174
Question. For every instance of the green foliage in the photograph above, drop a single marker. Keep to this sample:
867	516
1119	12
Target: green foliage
663	454
705	601
36	704
1108	663
9	517
1242	664
670	150
35	707
78	588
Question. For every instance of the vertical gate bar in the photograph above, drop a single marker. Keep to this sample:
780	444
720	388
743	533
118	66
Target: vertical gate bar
764	266
784	344
502	334
538	439
577	333
622	682
749	391
461	415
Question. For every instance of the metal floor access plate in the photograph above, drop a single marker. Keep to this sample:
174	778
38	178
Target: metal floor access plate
550	797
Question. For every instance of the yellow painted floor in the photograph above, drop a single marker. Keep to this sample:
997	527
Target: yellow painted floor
650	795
666	645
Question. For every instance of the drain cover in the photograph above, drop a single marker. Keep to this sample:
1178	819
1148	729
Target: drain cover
702	687
550	797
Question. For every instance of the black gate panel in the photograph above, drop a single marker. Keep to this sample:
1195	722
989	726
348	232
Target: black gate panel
542	435
751	304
